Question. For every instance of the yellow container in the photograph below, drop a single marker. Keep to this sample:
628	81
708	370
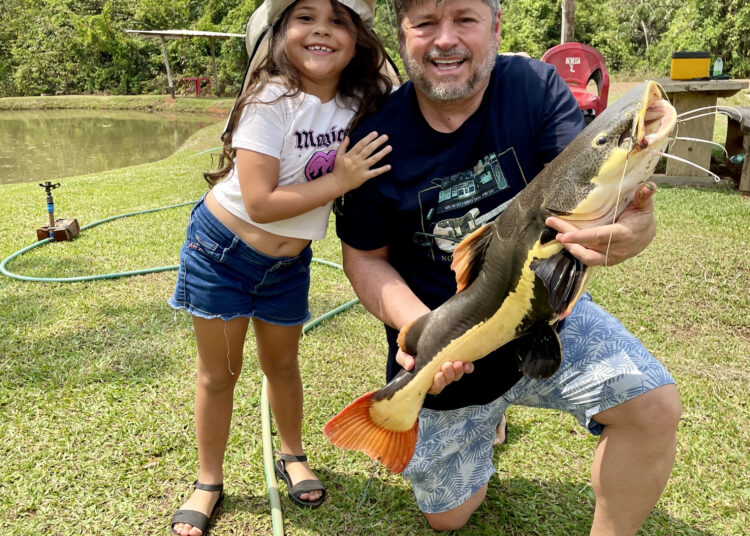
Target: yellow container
689	65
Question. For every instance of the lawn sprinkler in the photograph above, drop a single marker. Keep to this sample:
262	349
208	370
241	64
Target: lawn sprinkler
58	230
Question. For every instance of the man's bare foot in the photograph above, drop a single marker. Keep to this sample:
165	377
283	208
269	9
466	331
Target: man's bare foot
200	501
500	433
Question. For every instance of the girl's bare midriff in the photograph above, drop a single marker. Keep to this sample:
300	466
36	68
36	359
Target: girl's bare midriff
271	244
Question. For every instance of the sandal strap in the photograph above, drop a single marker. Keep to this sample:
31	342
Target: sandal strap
292	458
208	487
191	517
306	486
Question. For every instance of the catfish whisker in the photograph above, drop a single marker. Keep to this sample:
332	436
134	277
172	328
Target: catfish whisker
673	157
685	119
701	140
715	108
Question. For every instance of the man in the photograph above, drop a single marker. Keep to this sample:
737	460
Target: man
467	133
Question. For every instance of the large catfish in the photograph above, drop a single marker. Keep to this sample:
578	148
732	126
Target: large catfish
514	279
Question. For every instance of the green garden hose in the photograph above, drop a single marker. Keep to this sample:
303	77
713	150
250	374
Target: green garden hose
4	264
265	416
273	489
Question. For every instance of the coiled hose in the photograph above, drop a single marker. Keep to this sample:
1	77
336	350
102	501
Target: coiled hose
273	489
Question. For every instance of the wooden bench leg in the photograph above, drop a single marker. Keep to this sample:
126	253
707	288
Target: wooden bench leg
745	176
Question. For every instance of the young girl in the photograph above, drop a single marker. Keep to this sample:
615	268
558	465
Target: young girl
247	253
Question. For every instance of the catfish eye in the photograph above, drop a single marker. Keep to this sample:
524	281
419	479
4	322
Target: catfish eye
601	140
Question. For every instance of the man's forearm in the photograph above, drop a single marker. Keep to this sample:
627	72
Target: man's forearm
381	289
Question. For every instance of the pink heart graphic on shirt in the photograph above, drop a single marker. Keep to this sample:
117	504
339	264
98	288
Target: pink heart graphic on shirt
320	164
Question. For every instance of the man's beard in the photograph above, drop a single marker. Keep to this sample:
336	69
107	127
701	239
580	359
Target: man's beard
447	91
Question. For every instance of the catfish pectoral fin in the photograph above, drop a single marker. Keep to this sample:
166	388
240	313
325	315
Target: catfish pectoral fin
540	352
354	429
562	275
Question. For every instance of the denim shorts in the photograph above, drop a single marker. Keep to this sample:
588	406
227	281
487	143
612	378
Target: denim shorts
603	365
221	276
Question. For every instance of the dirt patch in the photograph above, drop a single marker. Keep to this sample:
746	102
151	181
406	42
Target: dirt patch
219	109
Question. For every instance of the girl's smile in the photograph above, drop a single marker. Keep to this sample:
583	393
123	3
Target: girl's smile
320	44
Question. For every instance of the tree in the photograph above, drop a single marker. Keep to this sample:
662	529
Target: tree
568	21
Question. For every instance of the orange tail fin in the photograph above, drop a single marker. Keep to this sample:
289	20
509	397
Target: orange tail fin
354	429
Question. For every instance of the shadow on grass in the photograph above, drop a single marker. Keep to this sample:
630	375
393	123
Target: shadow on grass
72	334
516	506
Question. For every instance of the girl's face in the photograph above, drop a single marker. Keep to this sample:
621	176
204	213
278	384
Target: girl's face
320	44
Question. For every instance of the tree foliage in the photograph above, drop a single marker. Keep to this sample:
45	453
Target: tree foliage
80	46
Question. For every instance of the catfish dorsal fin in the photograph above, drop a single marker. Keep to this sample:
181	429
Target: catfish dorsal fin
468	256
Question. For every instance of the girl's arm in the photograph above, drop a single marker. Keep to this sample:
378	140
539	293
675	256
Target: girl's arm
266	201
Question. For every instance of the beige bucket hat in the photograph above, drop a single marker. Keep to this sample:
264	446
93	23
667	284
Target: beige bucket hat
257	34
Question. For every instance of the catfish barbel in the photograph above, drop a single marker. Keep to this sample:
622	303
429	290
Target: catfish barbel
513	278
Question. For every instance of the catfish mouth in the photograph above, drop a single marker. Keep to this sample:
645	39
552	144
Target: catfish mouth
654	122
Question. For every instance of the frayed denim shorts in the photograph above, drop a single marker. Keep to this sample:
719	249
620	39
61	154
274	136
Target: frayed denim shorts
221	276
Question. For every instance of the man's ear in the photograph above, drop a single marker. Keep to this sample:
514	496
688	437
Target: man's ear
499	26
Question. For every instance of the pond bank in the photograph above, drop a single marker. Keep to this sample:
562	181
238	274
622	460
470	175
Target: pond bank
148	103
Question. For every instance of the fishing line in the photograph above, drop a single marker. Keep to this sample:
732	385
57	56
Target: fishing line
226	339
617	202
364	493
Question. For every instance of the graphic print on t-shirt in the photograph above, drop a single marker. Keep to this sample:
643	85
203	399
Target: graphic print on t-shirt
319	164
465	189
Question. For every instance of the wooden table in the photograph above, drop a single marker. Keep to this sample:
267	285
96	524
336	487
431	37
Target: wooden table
687	95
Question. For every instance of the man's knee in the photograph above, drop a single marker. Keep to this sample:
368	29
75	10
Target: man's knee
654	413
457	518
661	409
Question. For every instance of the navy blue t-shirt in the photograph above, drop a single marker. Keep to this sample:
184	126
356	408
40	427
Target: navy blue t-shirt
449	184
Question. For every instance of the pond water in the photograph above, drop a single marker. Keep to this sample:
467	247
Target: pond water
37	146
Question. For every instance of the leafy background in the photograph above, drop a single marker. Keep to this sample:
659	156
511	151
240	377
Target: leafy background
79	46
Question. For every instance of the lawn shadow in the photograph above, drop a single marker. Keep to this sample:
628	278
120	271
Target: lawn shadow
516	506
70	333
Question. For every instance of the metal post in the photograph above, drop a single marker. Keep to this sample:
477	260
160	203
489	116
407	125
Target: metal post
166	62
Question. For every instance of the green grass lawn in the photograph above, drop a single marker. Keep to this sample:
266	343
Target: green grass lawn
97	378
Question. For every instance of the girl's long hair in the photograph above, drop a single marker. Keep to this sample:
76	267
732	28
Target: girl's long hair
363	80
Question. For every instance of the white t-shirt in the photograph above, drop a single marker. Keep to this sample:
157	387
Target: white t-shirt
304	134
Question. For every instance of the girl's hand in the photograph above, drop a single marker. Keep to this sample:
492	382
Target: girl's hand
448	373
352	167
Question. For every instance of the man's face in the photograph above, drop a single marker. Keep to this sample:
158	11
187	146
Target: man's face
449	49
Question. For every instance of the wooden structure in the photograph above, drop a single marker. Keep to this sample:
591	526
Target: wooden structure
738	141
163	35
197	80
687	95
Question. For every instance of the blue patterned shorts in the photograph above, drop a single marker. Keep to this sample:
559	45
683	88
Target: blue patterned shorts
603	365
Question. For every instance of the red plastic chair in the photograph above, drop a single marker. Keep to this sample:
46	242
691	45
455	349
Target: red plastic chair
578	64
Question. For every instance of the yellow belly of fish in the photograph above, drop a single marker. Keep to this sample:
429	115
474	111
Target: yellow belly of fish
401	410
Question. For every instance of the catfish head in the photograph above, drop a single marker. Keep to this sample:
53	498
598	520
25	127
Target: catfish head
593	180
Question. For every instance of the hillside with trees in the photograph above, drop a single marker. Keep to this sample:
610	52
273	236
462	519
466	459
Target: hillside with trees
80	46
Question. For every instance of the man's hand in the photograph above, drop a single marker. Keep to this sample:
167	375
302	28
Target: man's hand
449	372
633	231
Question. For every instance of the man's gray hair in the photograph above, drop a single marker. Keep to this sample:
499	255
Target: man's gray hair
402	6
